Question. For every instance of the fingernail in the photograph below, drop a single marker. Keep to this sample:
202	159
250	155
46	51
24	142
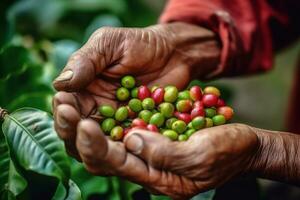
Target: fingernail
134	143
83	138
65	76
61	122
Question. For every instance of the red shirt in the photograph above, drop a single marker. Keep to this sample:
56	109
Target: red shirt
249	30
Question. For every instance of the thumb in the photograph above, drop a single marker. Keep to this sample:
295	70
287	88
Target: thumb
156	149
79	72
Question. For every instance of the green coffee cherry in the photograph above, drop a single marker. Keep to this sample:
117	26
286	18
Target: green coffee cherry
167	109
148	104
121	114
171	94
128	82
157	119
135	105
189	132
210	112
171	134
145	115
179	126
219	120
198	122
106	111
170	121
122	94
190	125
208	122
184	95
154	87
134	92
117	133
107	125
183	137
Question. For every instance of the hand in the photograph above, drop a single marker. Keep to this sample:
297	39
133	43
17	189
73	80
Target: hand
160	54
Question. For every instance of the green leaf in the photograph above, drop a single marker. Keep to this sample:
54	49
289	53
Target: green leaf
39	100
34	143
127	188
7	195
12	60
209	195
88	183
10	179
73	193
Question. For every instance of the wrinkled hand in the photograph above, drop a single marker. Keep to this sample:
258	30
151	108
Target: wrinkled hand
160	54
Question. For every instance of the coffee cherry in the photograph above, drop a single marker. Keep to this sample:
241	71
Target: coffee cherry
171	94
153	88
170	121
106	111
148	104
107	125
189	132
152	127
157	119
212	90
168	87
126	123
134	92
226	111
183	137
221	103
198	123
128	82
171	134
190	125
143	92
184	95
208	122
121	114
145	115
135	105
219	120
198	104
184	106
158	95
138	122
198	111
122	94
183	116
167	109
117	133
196	93
179	126
209	100
210	112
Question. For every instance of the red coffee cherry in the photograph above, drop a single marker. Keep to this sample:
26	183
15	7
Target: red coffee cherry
221	103
143	92
158	95
152	127
226	111
198	111
196	93
138	122
210	100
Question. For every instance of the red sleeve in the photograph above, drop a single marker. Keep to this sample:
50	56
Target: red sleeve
241	25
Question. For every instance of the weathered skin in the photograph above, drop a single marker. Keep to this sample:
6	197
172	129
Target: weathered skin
162	54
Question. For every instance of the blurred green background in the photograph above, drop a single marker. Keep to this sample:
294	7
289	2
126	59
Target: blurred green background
38	36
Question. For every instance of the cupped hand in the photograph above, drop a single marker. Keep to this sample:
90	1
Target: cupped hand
161	54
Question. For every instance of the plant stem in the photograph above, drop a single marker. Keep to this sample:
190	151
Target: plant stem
3	112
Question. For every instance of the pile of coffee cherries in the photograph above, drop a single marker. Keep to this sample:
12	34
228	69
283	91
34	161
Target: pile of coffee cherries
175	114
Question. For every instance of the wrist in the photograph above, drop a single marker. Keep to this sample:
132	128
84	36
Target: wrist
195	46
277	157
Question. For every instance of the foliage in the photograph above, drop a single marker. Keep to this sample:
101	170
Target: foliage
37	38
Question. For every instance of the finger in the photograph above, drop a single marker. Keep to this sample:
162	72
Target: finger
80	71
105	157
64	98
66	120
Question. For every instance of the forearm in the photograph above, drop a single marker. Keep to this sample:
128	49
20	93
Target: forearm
278	157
